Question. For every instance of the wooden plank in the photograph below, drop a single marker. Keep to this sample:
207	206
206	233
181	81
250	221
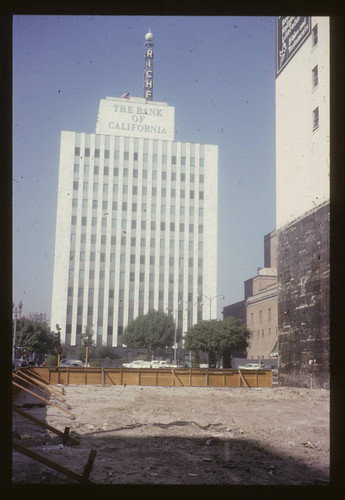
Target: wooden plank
37	371
243	379
65	436
38	386
178	378
44	384
134	376
88	466
45	425
40	397
50	463
31	383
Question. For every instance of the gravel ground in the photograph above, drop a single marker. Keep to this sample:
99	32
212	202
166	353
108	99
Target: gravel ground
179	436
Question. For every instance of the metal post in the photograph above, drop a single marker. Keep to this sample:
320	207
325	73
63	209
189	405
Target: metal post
175	340
15	331
210	299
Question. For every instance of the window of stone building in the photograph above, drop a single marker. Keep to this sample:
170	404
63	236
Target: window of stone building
316	118
315	77
260	316
315	35
269	314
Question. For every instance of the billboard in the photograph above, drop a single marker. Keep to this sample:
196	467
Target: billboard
135	117
291	33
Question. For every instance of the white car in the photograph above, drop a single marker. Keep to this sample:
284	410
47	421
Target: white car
251	366
138	363
162	364
72	363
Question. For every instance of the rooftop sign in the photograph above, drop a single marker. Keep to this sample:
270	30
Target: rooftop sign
135	117
291	33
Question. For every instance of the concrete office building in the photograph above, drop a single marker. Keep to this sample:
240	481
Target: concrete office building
136	224
302	197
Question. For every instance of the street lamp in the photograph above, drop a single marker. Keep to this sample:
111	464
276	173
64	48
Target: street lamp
15	312
211	298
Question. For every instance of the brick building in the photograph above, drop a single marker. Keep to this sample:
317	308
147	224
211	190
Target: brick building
258	310
261	303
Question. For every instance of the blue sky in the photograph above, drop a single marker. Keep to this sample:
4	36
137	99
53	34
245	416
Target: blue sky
218	73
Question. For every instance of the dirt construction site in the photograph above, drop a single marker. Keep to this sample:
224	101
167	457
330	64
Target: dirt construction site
156	435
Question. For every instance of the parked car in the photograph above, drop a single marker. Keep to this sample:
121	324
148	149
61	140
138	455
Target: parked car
252	366
138	363
162	364
72	363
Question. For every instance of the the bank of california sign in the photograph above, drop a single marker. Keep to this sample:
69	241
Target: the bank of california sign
123	117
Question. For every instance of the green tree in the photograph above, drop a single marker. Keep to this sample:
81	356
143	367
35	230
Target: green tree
32	336
86	340
152	331
219	338
106	351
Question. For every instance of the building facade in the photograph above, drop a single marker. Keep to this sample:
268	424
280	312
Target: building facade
261	303
302	192
136	224
259	309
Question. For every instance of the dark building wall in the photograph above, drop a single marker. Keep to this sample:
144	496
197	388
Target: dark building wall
270	250
237	310
303	301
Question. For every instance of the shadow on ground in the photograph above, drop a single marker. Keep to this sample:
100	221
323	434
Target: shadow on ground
167	460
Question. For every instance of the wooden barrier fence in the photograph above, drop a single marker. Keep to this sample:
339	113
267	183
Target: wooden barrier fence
153	376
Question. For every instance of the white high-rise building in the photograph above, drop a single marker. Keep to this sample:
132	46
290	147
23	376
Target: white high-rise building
136	225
